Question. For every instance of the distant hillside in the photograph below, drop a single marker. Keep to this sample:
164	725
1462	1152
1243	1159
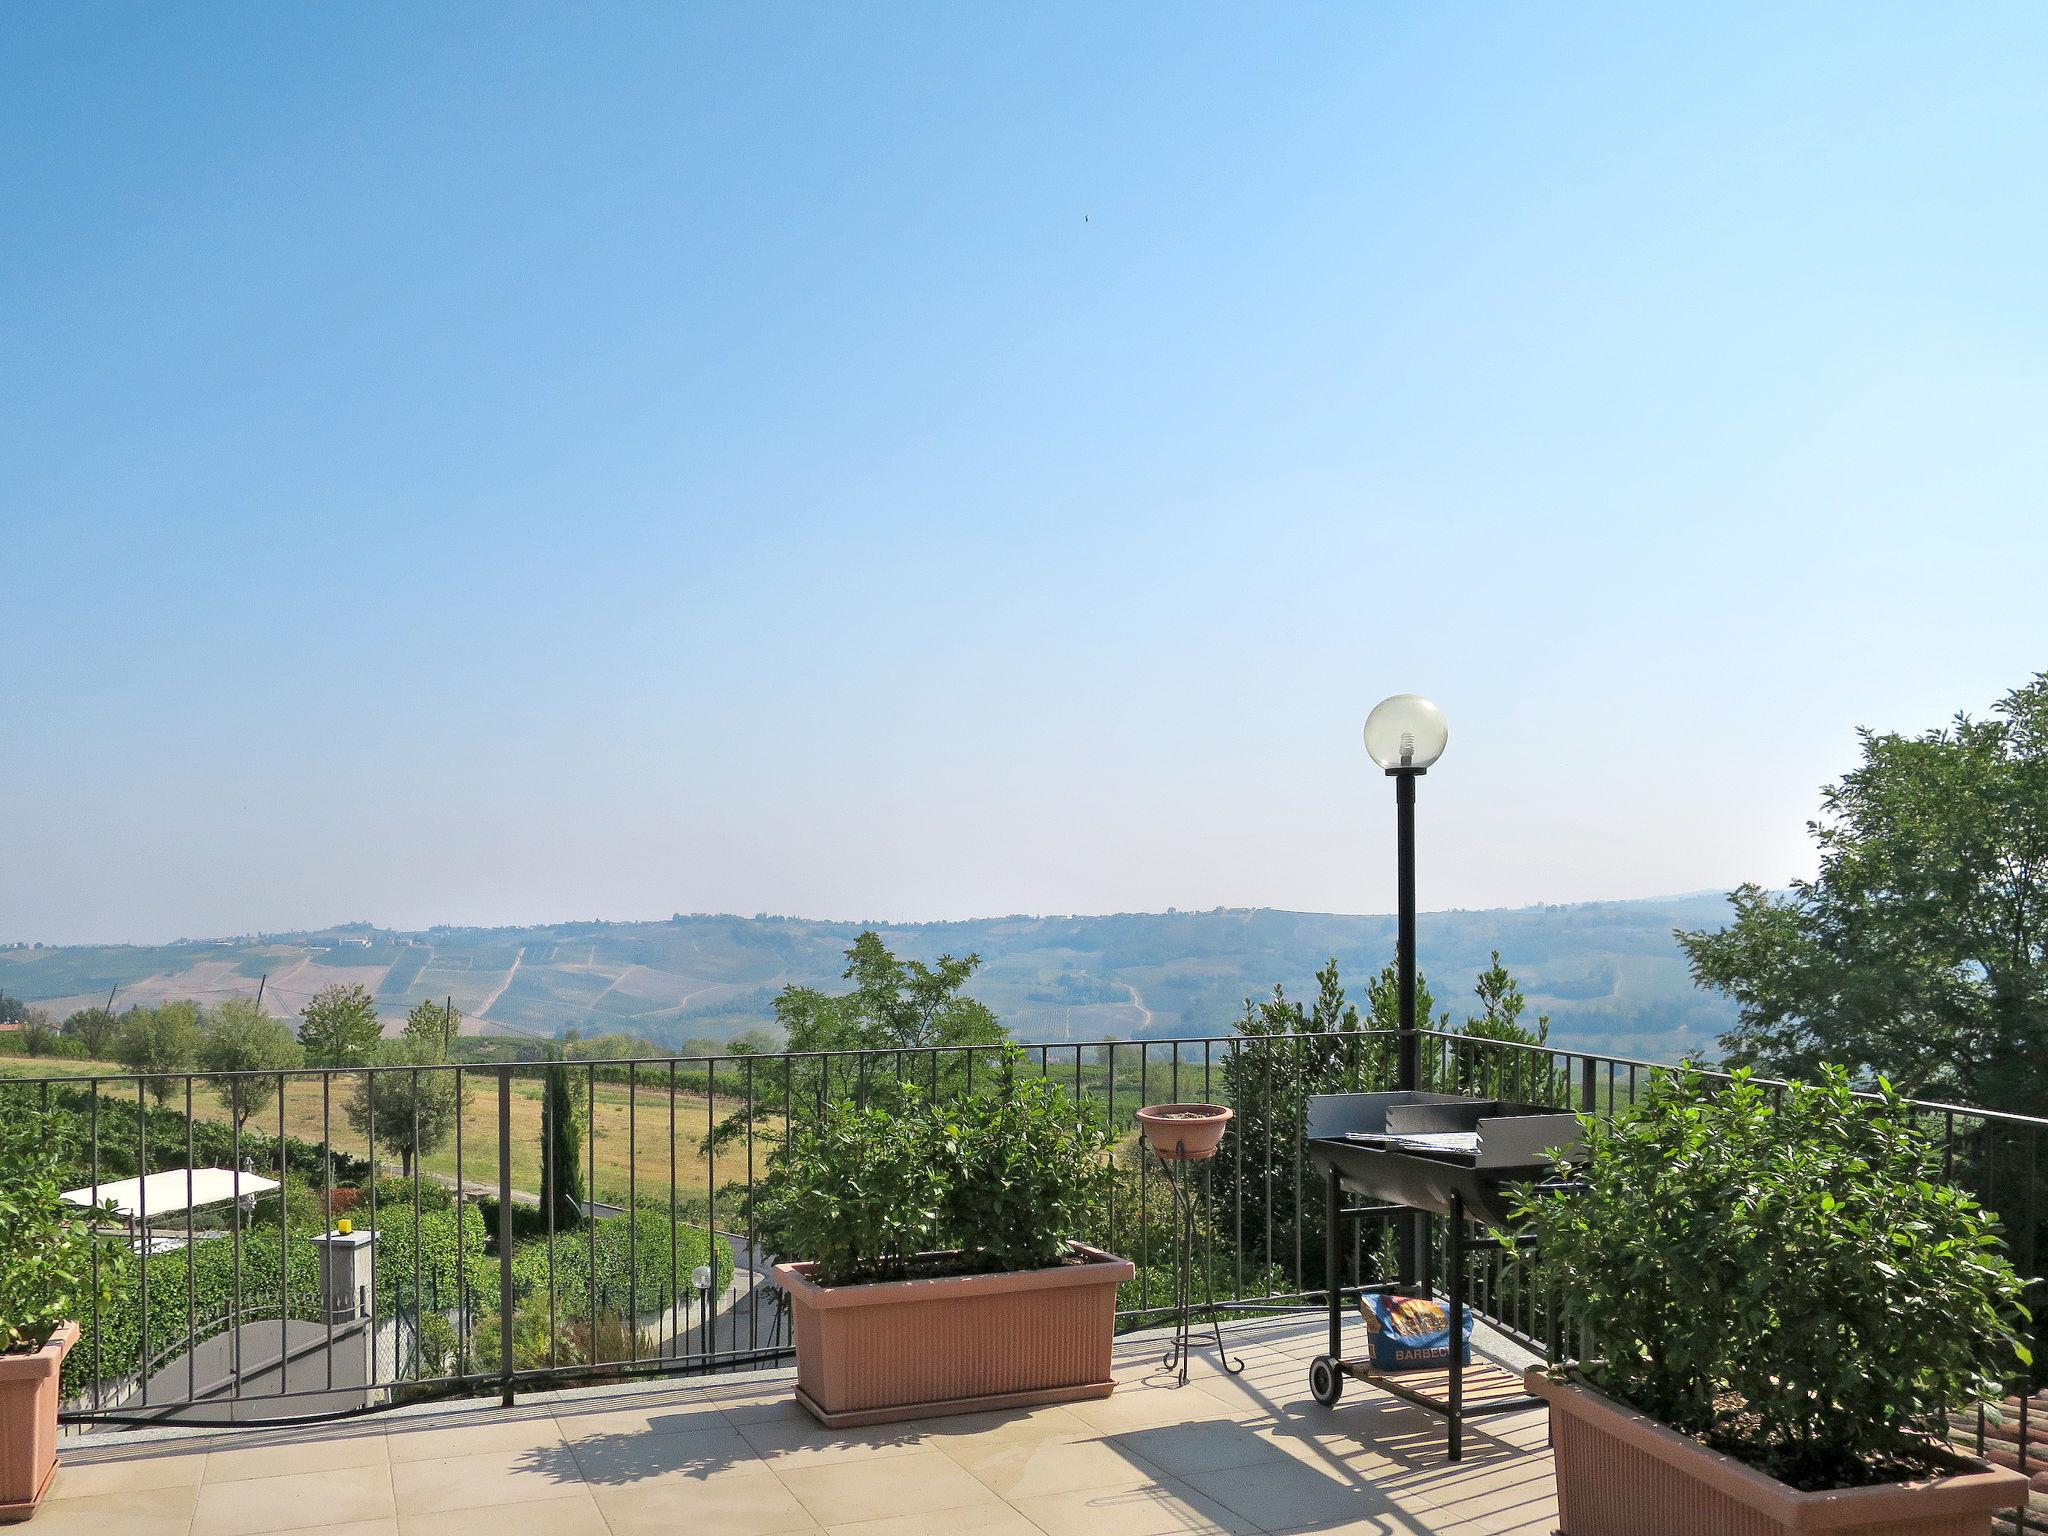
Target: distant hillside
1608	973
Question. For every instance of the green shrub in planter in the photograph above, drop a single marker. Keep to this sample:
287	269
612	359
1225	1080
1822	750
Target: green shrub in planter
1000	1179
1027	1172
46	1268
1782	1274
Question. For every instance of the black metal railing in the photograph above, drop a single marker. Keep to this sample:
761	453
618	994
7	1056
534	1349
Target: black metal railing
471	1281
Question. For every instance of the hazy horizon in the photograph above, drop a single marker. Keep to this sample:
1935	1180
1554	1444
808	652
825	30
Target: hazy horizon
469	465
865	920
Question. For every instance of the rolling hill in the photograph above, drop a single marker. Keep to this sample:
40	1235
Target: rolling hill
1608	973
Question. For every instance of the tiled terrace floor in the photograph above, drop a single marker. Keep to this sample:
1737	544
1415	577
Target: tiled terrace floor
734	1456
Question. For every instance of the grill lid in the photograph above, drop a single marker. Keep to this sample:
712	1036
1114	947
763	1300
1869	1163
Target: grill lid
1480	1133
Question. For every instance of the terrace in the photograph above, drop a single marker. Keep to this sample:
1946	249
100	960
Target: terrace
624	1392
734	1454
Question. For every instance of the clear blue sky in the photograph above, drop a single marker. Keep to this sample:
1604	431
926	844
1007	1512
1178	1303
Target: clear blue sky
497	463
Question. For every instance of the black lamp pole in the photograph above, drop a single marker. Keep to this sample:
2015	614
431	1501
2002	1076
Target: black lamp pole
1410	1068
1410	1240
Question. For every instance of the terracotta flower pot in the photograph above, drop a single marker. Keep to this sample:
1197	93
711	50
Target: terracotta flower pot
1185	1133
1615	1466
28	1423
911	1349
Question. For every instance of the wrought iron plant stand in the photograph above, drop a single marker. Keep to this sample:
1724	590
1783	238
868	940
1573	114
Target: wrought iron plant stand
1181	1154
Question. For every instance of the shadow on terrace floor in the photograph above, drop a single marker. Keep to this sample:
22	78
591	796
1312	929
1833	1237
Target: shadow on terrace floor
1221	1456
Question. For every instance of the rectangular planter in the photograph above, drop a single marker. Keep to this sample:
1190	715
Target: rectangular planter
1621	1473
905	1349
28	1423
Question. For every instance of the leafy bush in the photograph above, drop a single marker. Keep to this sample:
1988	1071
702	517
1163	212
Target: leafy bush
1786	1278
46	1265
633	1274
1029	1173
533	1347
1003	1176
435	1345
859	1189
575	1341
305	1207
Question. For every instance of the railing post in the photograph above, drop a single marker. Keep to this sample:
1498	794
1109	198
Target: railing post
504	1235
1589	1088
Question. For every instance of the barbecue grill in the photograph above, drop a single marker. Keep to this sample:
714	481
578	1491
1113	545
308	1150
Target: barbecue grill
1417	1156
1437	1152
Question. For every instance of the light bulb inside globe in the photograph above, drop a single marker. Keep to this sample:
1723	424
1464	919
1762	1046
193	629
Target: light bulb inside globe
1406	733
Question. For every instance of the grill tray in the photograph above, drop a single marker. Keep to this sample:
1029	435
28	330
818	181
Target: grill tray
1513	1143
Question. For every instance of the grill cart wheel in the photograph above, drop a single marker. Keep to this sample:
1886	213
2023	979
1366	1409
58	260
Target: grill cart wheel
1325	1381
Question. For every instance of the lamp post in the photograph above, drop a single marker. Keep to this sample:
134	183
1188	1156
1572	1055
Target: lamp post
701	1278
1405	735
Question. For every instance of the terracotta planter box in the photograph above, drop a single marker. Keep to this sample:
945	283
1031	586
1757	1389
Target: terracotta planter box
28	1423
1618	1469
912	1349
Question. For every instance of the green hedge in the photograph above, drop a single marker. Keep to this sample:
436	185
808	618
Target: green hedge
619	1241
397	1226
210	1268
112	1349
203	1276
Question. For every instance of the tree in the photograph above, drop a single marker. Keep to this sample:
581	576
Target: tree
434	1027
1266	1182
1501	1004
410	1113
339	1027
159	1043
1383	1002
752	1042
1500	1073
1919	951
241	1037
1328	1047
894	1005
38	1035
94	1028
561	1141
12	1009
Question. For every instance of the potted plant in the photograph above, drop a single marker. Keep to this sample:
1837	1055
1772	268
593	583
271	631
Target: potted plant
941	1273
1184	1133
45	1284
1780	1301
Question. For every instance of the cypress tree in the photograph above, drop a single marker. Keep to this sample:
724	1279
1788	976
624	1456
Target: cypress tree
561	1147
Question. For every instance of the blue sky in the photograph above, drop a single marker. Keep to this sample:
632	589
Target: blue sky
505	463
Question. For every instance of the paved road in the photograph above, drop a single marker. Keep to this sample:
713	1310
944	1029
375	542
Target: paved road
748	1316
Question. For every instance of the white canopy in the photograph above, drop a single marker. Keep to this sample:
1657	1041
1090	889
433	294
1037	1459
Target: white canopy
171	1192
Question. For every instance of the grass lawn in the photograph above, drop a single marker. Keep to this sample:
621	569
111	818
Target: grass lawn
630	1145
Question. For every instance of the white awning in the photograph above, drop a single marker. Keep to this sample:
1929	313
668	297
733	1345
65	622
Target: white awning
171	1192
